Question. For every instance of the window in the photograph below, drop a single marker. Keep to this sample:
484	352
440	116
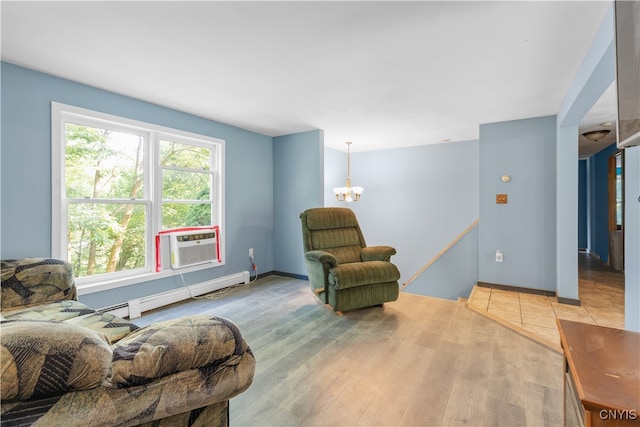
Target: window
188	175
117	183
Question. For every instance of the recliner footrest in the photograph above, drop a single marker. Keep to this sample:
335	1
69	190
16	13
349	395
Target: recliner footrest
356	274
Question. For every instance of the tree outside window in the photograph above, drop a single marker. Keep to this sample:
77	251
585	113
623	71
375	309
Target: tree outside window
122	185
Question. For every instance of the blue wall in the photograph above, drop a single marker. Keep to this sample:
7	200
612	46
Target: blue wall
26	174
582	205
524	228
599	195
298	179
454	274
417	200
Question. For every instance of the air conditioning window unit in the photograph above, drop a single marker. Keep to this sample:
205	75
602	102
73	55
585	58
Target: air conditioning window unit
192	247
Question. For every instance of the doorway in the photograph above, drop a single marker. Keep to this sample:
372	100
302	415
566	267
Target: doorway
601	285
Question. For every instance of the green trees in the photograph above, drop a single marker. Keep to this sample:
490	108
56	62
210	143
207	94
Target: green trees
109	210
186	179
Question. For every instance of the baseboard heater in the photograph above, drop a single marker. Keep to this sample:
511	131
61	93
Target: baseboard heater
135	307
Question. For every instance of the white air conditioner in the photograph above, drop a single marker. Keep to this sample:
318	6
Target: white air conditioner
193	247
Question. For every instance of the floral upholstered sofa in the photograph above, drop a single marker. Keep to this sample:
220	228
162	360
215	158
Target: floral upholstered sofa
64	364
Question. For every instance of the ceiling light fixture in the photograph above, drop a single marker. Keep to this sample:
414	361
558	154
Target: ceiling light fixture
348	193
596	135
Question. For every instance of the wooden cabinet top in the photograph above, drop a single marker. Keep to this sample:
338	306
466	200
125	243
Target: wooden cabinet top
605	364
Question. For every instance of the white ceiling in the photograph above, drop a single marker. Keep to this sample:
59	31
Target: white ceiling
380	74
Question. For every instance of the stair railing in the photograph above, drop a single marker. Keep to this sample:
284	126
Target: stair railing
442	252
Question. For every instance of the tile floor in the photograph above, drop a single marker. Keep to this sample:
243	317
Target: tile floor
601	292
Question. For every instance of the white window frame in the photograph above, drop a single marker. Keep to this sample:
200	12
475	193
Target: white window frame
60	113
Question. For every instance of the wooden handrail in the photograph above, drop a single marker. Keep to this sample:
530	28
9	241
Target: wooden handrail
439	254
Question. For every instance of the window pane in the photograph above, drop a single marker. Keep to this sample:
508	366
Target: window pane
179	185
184	155
106	237
102	163
176	215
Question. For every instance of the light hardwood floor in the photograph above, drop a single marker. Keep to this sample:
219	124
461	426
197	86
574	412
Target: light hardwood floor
418	361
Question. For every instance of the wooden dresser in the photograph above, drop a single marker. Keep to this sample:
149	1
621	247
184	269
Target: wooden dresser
602	375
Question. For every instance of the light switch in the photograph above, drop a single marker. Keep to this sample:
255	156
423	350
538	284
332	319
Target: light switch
501	199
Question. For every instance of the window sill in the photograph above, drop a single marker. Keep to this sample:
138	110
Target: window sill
105	285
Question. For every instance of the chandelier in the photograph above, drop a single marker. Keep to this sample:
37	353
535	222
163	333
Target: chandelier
348	193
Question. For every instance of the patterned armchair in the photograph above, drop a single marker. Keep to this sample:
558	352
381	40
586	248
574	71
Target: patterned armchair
343	271
64	364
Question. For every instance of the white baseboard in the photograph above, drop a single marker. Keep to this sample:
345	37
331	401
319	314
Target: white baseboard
135	307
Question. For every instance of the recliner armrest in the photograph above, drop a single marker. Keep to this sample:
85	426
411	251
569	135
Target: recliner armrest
377	253
322	257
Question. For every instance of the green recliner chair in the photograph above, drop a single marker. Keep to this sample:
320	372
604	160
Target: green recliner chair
343	271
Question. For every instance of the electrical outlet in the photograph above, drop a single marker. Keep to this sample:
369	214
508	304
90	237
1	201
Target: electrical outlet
251	253
499	256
